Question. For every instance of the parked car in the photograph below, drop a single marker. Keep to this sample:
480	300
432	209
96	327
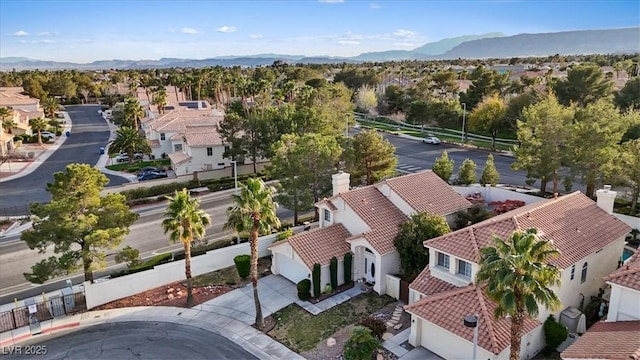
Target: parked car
125	157
150	169
48	134
151	175
432	140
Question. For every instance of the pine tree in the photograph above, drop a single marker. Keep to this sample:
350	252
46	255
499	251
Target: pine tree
490	174
443	167
467	172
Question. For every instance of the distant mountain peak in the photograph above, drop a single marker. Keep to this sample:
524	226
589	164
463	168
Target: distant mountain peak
442	46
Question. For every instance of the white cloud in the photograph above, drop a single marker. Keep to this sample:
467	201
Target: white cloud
24	42
374	6
188	30
44	33
171	30
46	41
348	42
405	34
256	36
20	33
331	1
406	44
227	29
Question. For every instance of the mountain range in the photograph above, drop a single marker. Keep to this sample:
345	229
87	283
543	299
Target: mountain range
490	45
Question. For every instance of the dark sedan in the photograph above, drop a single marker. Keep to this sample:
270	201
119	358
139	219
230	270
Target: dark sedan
151	175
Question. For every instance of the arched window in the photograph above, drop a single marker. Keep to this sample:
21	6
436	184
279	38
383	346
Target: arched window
583	277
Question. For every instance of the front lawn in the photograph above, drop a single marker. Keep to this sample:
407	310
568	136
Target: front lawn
301	331
125	166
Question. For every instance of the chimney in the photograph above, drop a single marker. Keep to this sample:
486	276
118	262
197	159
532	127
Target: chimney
340	182
606	198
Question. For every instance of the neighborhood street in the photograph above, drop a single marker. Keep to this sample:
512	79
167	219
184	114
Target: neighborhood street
89	133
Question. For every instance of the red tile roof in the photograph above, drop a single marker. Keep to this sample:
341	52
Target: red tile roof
448	309
607	340
430	285
575	224
629	274
320	245
202	135
425	191
382	217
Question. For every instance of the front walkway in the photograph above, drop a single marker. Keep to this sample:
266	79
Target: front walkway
399	346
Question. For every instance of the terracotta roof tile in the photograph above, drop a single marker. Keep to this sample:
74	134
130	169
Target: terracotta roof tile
202	135
575	224
629	274
320	245
430	285
425	191
178	157
607	340
382	217
448	309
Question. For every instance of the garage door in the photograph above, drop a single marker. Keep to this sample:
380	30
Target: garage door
291	269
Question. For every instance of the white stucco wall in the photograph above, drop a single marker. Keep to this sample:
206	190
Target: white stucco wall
396	199
166	146
200	159
393	286
450	275
350	220
386	264
624	304
325	275
496	194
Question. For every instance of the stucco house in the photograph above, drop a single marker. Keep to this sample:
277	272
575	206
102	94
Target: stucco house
364	222
619	336
589	238
13	98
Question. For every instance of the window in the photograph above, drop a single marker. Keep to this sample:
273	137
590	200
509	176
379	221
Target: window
163	136
226	148
573	271
443	260
583	277
327	215
209	151
464	268
177	147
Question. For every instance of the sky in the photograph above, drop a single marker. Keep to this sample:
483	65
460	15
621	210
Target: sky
85	31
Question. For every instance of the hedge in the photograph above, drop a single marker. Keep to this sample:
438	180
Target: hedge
147	265
201	250
554	334
243	265
316	280
304	289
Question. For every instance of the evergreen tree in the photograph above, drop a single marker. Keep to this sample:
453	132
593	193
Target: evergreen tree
467	173
490	174
443	167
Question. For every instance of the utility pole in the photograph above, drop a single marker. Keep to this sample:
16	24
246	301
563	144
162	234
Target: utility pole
464	118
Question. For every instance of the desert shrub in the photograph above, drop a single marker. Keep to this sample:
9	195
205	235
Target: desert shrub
333	271
129	255
361	345
315	275
285	225
284	234
304	289
243	265
310	219
554	333
377	326
348	261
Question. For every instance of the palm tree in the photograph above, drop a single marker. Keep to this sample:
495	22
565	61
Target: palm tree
253	211
133	112
39	125
6	115
50	106
185	222
128	141
160	98
519	278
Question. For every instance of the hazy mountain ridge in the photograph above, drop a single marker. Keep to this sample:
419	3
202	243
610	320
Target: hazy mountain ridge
490	45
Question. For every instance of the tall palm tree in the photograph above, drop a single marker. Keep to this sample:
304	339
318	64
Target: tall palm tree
133	112
39	125
50	106
253	211
518	278
160	98
185	222
6	115
129	141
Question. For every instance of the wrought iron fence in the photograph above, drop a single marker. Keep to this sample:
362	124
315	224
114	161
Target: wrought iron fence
45	310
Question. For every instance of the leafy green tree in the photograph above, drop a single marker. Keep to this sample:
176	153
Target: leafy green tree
129	141
489	116
304	165
467	173
475	214
78	223
517	105
133	112
585	83
629	96
625	170
355	78
253	211
38	125
597	130
485	83
443	166
518	277
231	132
490	174
370	156
445	112
129	255
361	344
410	241
544	134
418	113
366	99
185	222
396	99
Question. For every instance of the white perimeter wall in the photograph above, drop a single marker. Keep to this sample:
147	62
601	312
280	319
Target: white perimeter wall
496	194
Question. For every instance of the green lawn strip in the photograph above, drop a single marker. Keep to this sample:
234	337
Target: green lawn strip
301	331
138	165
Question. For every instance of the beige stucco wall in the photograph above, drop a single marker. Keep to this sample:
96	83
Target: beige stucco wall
624	304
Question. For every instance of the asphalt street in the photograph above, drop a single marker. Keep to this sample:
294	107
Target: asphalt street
132	340
89	132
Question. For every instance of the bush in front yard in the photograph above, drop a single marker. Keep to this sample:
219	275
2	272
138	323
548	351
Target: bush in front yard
243	265
554	334
316	280
348	260
304	289
333	271
377	326
361	345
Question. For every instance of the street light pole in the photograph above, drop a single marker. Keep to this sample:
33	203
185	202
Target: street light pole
464	118
472	321
235	174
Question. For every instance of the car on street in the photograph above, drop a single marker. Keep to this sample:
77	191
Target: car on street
151	175
150	169
432	140
125	157
47	134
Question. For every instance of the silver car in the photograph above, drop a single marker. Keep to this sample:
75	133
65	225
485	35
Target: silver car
432	140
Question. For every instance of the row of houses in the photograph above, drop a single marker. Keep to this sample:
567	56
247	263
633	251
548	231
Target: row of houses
23	108
364	222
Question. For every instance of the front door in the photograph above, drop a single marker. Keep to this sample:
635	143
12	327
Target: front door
370	267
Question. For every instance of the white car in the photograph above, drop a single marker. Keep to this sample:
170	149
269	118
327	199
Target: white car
47	134
432	140
125	157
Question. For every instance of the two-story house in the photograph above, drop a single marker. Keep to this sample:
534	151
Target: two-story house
364	222
590	241
197	148
13	98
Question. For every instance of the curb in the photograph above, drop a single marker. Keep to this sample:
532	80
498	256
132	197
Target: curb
24	337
